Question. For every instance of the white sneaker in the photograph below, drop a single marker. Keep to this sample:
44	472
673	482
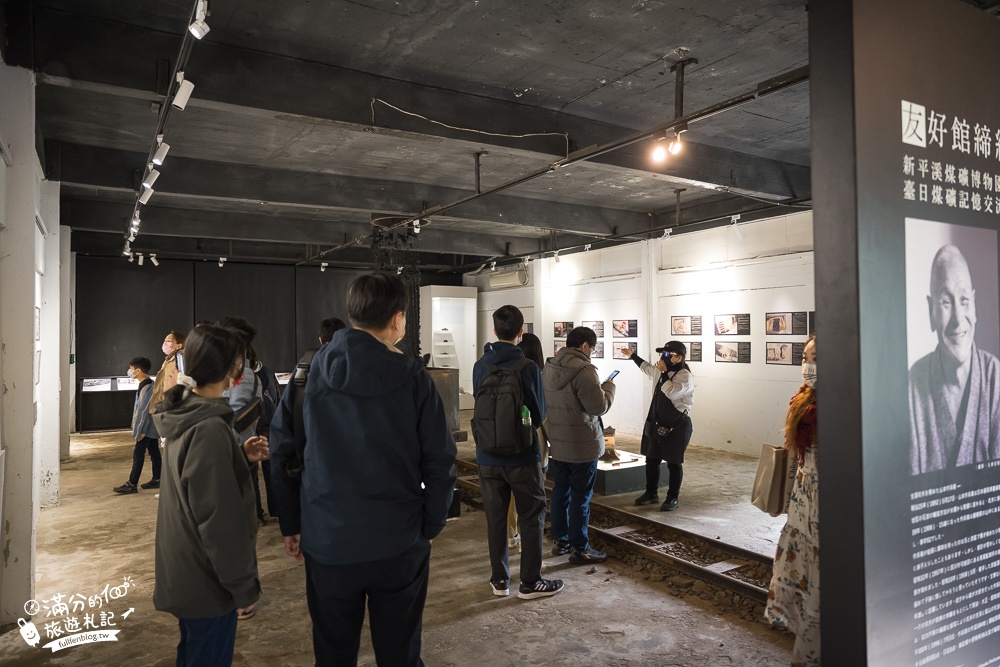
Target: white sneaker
514	543
156	496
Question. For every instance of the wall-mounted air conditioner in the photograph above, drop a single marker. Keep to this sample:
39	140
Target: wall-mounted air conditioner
518	278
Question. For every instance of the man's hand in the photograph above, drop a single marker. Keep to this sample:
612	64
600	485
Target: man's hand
627	351
661	366
292	546
246	610
255	449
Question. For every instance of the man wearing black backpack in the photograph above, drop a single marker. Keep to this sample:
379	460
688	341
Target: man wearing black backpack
510	405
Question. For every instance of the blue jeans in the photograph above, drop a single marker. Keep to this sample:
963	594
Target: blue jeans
207	642
152	445
571	496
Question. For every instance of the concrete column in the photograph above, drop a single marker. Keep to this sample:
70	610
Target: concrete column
65	343
48	384
17	317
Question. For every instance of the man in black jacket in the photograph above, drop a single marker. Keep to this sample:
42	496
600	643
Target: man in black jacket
377	478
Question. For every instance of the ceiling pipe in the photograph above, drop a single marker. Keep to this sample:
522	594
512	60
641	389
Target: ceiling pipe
762	89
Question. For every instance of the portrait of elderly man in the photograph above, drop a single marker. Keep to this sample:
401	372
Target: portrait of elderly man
955	389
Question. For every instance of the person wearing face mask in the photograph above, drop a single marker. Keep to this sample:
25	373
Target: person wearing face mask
668	425
955	389
377	477
793	595
143	430
166	377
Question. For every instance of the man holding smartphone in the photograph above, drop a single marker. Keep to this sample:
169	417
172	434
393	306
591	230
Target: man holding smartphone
668	428
576	399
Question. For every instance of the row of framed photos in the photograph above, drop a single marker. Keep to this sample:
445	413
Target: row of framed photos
619	328
777	354
800	323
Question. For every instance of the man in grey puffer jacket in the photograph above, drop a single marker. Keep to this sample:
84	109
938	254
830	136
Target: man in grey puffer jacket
576	399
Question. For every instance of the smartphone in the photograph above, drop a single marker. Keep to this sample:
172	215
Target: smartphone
613	375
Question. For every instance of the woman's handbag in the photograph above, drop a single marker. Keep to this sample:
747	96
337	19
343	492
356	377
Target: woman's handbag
772	486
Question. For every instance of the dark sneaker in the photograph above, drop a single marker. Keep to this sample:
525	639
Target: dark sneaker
561	549
542	588
647	499
587	555
669	505
127	487
151	484
500	588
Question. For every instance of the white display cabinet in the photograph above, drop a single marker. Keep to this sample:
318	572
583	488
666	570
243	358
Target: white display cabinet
448	332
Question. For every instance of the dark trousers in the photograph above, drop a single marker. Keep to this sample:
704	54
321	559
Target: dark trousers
675	475
207	642
395	590
497	485
574	487
152	445
272	506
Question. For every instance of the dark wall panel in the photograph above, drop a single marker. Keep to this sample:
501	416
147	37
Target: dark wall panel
319	295
124	310
264	295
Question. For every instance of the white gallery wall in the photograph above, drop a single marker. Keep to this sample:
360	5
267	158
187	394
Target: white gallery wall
715	272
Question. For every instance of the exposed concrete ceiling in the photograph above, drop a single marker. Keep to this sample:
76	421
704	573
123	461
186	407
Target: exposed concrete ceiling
282	149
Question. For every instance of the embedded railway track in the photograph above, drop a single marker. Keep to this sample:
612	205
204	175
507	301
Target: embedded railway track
714	562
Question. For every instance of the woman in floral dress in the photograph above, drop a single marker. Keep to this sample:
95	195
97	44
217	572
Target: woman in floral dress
793	596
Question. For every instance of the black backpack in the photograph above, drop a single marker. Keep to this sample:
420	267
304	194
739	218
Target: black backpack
298	384
268	399
496	422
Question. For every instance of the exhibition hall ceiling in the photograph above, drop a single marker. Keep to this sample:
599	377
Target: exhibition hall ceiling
289	145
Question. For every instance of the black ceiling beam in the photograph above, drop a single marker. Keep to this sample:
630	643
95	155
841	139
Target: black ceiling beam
110	245
81	48
116	170
106	217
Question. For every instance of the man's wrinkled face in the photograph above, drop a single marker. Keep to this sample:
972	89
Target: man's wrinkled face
952	304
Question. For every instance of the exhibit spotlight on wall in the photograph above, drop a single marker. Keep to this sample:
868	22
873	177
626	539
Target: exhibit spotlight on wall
152	258
222	262
131	258
198	27
555	256
675	145
493	266
162	149
150	178
322	267
416	226
140	259
146	194
736	226
666	233
183	94
667	145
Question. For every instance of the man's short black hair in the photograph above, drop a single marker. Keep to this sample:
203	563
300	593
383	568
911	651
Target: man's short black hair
142	363
580	335
246	331
330	326
508	322
374	298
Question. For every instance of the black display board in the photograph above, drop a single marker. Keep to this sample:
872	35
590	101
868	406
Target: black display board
264	295
319	295
124	310
694	352
902	144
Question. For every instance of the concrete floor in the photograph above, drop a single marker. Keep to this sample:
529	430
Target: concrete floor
604	617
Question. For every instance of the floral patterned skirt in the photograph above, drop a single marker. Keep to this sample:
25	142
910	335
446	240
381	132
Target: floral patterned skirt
793	596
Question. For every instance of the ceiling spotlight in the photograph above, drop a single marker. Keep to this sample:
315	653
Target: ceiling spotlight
183	93
399	270
146	194
127	251
198	27
152	258
131	236
736	226
130	257
659	152
150	178
493	266
586	248
675	145
140	259
667	233
222	261
416	226
322	267
161	152
555	255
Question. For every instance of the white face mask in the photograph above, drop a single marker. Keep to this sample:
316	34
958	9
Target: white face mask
131	373
809	374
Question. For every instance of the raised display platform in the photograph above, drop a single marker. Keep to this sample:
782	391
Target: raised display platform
624	476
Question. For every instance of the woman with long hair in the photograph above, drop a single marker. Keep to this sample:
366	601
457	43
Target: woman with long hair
793	596
206	528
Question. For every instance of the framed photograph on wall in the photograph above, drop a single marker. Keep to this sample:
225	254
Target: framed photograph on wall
598	351
732	353
786	324
732	325
685	325
596	325
784	354
694	352
618	347
560	329
624	328
558	345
